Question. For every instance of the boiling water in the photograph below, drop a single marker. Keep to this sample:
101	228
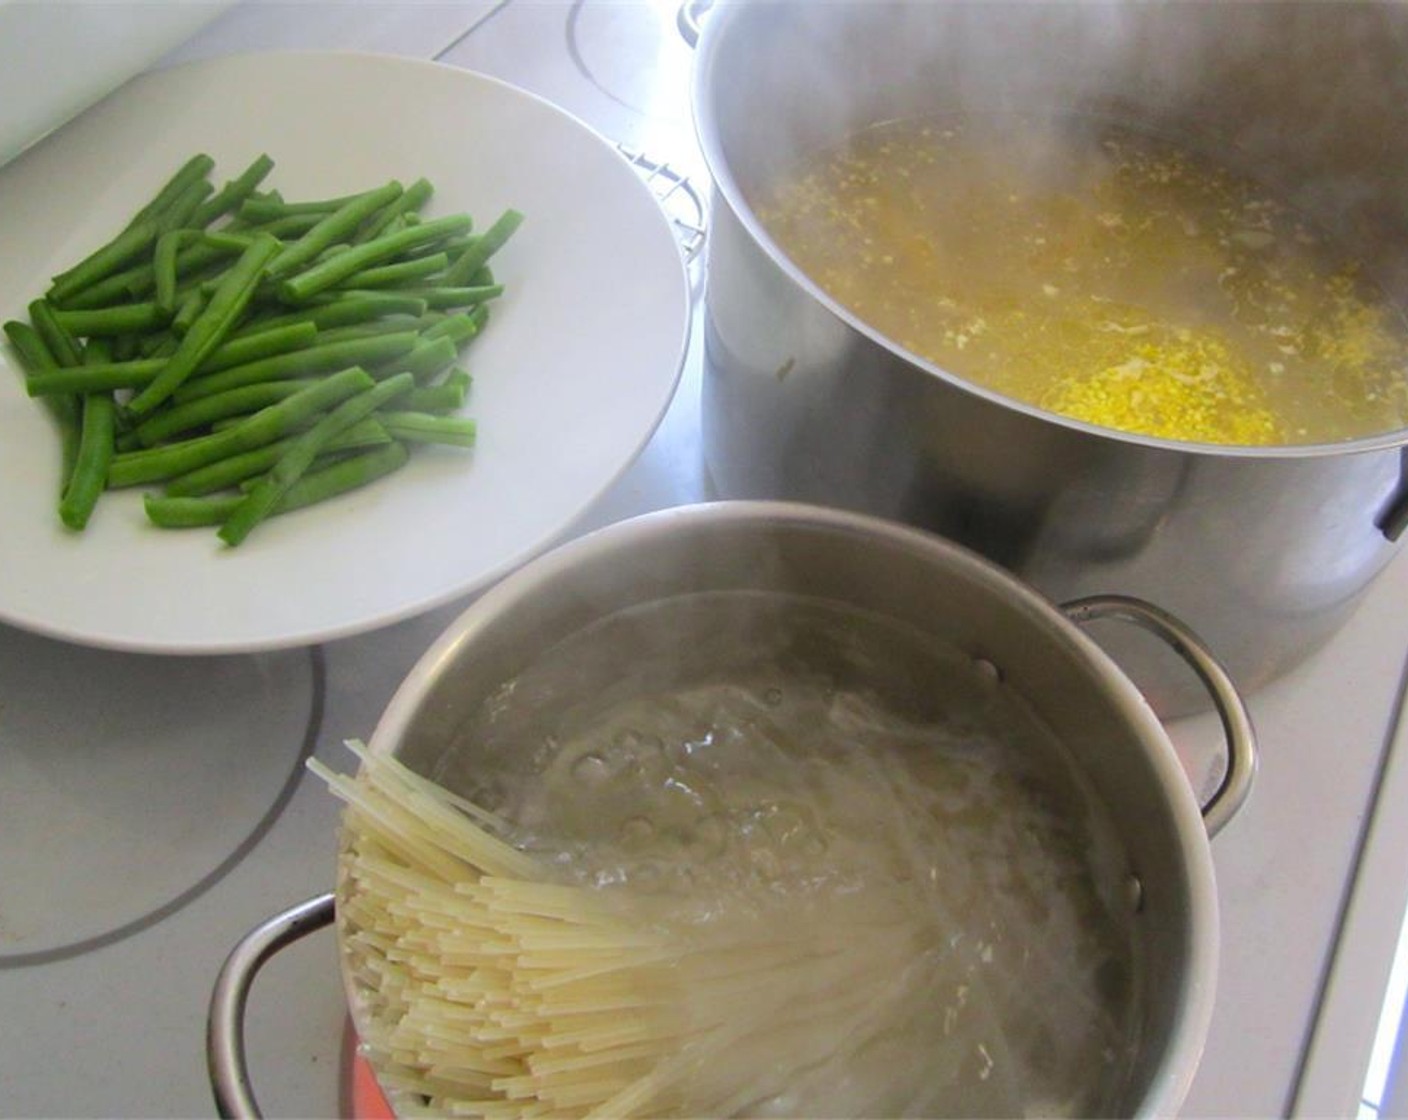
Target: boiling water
1099	273
892	887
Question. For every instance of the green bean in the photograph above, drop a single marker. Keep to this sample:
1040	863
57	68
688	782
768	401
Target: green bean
420	324
341	223
124	319
126	347
64	408
316	486
459	329
412	199
136	237
414	268
103	262
260	344
158	344
95	378
335	269
294	363
452	247
173	421
484	246
234	192
420	427
140	280
448	396
343	309
164	269
426	360
260	501
57	335
442	297
194	169
190	304
178	214
95	451
153	464
273	206
290	225
211	325
224	473
159	463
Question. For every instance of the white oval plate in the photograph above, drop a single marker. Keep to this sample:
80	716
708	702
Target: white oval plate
575	370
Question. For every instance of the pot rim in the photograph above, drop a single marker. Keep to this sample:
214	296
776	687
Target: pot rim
708	53
1168	1084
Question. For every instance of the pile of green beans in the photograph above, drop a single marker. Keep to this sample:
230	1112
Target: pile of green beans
252	355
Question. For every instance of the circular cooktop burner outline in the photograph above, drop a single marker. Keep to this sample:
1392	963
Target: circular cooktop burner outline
574	51
318	683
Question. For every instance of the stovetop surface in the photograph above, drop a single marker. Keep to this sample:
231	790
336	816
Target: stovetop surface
139	842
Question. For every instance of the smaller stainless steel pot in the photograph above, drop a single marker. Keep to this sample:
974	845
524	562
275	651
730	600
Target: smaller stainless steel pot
1040	652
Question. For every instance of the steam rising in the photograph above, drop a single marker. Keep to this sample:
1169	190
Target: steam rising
1309	97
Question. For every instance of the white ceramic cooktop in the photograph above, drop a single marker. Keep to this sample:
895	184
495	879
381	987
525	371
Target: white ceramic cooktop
152	811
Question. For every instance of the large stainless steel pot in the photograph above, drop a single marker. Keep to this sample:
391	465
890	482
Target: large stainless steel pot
1266	552
1038	652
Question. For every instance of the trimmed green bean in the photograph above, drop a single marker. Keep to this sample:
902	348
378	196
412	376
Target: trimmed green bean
140	279
192	303
273	206
415	268
95	378
260	344
341	223
181	418
224	473
420	427
95	452
178	214
316	486
234	192
260	501
429	358
211	325
420	324
459	329
131	318
168	245
194	169
103	262
136	237
411	200
63	407
294	363
57	335
440	298
484	246
335	269
448	396
343	309
157	464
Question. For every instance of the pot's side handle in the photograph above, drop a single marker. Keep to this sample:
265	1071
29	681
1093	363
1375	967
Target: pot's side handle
1236	722
687	19
1393	518
224	1030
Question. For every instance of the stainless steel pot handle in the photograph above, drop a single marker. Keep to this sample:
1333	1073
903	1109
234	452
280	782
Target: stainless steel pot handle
224	1029
687	19
1236	722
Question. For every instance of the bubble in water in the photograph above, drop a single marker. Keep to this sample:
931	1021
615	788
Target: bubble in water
637	831
772	697
987	672
591	770
709	837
